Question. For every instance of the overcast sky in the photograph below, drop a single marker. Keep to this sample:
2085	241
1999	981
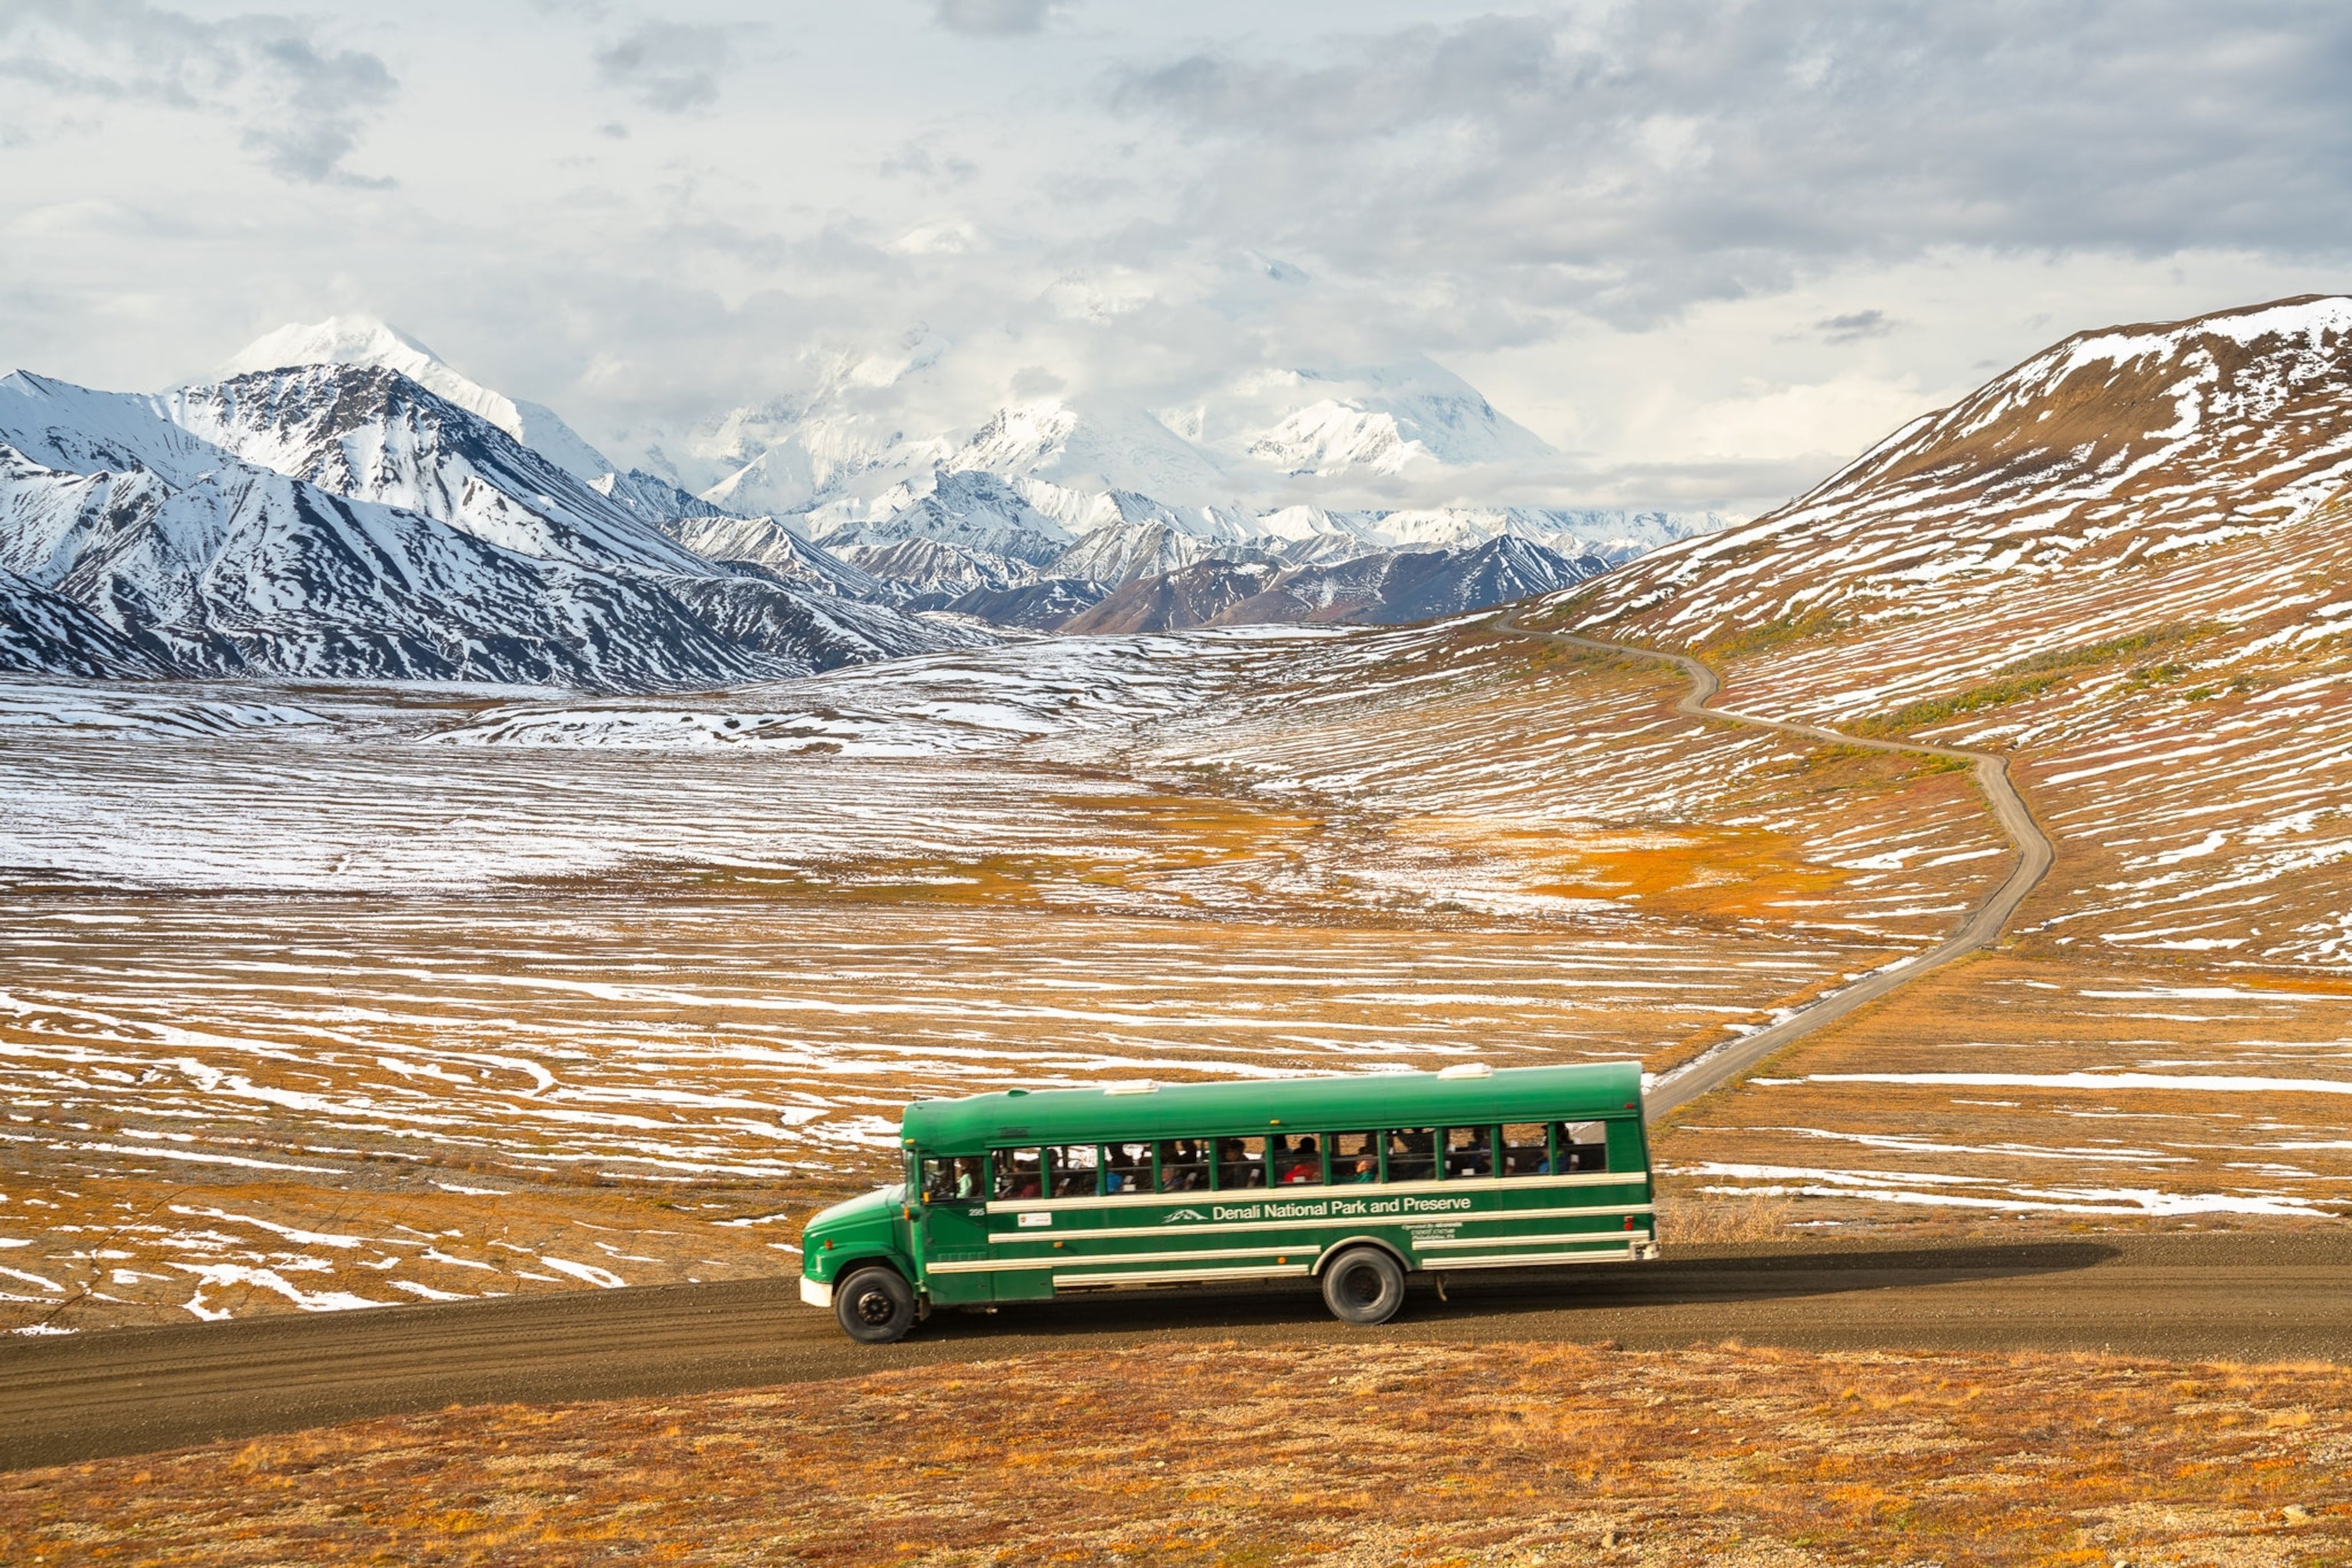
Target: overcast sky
1708	251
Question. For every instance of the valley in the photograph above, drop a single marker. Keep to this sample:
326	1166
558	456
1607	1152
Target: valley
321	995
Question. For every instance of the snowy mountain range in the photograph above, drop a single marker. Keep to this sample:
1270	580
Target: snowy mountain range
343	503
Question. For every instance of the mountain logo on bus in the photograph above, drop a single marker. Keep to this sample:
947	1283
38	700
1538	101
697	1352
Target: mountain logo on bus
1171	1217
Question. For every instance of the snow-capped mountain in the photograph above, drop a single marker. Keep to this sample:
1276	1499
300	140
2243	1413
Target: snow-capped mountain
1381	420
973	510
366	342
209	563
343	502
375	434
1388	587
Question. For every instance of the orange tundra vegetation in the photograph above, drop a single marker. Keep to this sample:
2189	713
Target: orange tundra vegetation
1371	1455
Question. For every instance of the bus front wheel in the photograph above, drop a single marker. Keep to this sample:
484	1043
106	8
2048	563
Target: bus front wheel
1363	1286
875	1306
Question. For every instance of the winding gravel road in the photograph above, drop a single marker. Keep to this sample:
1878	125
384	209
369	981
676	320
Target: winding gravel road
1983	925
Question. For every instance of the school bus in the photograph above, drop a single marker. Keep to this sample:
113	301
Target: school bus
1356	1182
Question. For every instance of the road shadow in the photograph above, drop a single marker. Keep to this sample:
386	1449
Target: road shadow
1470	1295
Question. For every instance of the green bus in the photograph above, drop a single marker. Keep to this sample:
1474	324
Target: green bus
1353	1181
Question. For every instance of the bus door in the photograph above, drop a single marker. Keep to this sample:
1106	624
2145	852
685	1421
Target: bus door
952	1227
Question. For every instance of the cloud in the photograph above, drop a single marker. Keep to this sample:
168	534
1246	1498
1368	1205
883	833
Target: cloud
995	19
668	66
301	106
1854	326
1629	161
926	159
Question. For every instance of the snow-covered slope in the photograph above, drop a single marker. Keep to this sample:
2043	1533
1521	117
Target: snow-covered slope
2106	453
767	544
2122	564
366	342
1385	587
1121	552
934	570
973	510
42	632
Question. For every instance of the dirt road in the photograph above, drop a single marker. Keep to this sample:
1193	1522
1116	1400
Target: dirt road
2249	1296
1978	929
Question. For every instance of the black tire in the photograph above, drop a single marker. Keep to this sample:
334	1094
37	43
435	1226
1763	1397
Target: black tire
874	1305
1363	1286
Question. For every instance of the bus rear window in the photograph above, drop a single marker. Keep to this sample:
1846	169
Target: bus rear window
1019	1173
1240	1163
1583	1145
1074	1169
954	1181
1183	1165
1355	1156
1412	1154
1469	1151
1524	1151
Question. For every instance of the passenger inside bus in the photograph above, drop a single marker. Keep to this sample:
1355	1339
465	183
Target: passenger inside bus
951	1181
1355	1157
1018	1173
1583	1145
1182	1166
1469	1150
1240	1163
1523	1149
1303	1165
1127	1168
1074	1171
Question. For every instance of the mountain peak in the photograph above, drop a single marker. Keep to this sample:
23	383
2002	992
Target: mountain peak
360	340
369	340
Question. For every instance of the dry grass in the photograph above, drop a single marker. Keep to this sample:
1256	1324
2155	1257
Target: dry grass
1377	1454
1702	1220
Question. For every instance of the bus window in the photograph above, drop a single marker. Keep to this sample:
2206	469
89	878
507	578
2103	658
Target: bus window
1469	1150
1583	1145
1126	1167
1018	1172
1523	1149
1355	1156
1301	1163
1074	1169
1183	1165
1412	1154
954	1181
1240	1163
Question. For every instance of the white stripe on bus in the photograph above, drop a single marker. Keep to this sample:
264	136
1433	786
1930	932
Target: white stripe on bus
1002	1264
1180	1276
1304	1190
1226	1227
1585	1237
1515	1260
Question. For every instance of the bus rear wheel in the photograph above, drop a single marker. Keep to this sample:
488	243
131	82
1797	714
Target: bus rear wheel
1364	1286
875	1306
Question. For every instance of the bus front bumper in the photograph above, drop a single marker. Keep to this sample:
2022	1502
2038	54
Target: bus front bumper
815	1292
